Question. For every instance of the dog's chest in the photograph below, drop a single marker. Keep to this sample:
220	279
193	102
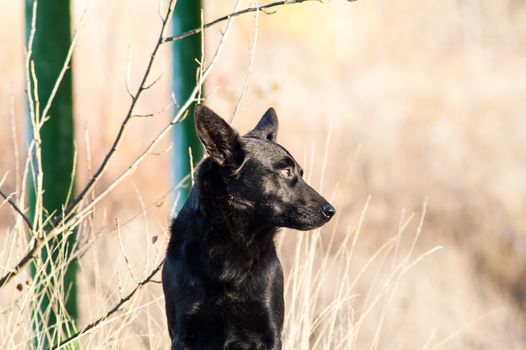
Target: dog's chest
242	322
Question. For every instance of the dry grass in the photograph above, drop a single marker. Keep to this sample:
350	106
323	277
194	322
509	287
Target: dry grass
390	105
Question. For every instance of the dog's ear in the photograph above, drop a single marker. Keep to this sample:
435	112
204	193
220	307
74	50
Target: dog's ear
267	127
222	143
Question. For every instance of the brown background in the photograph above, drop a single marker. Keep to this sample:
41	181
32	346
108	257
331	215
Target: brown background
406	101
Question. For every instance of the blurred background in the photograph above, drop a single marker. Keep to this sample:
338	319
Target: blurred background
400	105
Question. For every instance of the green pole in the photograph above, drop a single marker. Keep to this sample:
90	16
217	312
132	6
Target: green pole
50	47
187	15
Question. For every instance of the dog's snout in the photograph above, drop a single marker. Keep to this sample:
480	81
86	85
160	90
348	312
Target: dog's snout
328	210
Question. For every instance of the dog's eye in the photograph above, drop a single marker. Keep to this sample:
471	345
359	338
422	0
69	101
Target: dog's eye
287	172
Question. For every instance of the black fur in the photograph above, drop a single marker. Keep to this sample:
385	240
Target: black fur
222	280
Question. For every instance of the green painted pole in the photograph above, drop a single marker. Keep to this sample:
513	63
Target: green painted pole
187	15
50	47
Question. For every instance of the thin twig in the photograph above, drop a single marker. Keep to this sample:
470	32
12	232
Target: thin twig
250	67
142	87
64	68
21	264
232	15
35	244
179	115
113	310
153	82
153	114
18	210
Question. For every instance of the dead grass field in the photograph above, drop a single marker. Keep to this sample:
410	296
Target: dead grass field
392	107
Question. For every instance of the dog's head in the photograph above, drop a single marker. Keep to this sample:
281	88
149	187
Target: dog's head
260	173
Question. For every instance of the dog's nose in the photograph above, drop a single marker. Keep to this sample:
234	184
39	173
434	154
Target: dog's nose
328	210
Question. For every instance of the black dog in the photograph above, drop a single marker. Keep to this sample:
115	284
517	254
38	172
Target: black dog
222	280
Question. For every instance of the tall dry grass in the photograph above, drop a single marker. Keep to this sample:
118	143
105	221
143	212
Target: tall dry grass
390	105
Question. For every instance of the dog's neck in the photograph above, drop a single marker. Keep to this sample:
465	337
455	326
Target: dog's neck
234	220
231	235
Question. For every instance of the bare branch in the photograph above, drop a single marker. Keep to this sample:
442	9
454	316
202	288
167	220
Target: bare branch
153	114
232	15
21	264
102	168
183	111
250	67
18	210
35	244
153	82
114	309
65	67
128	70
